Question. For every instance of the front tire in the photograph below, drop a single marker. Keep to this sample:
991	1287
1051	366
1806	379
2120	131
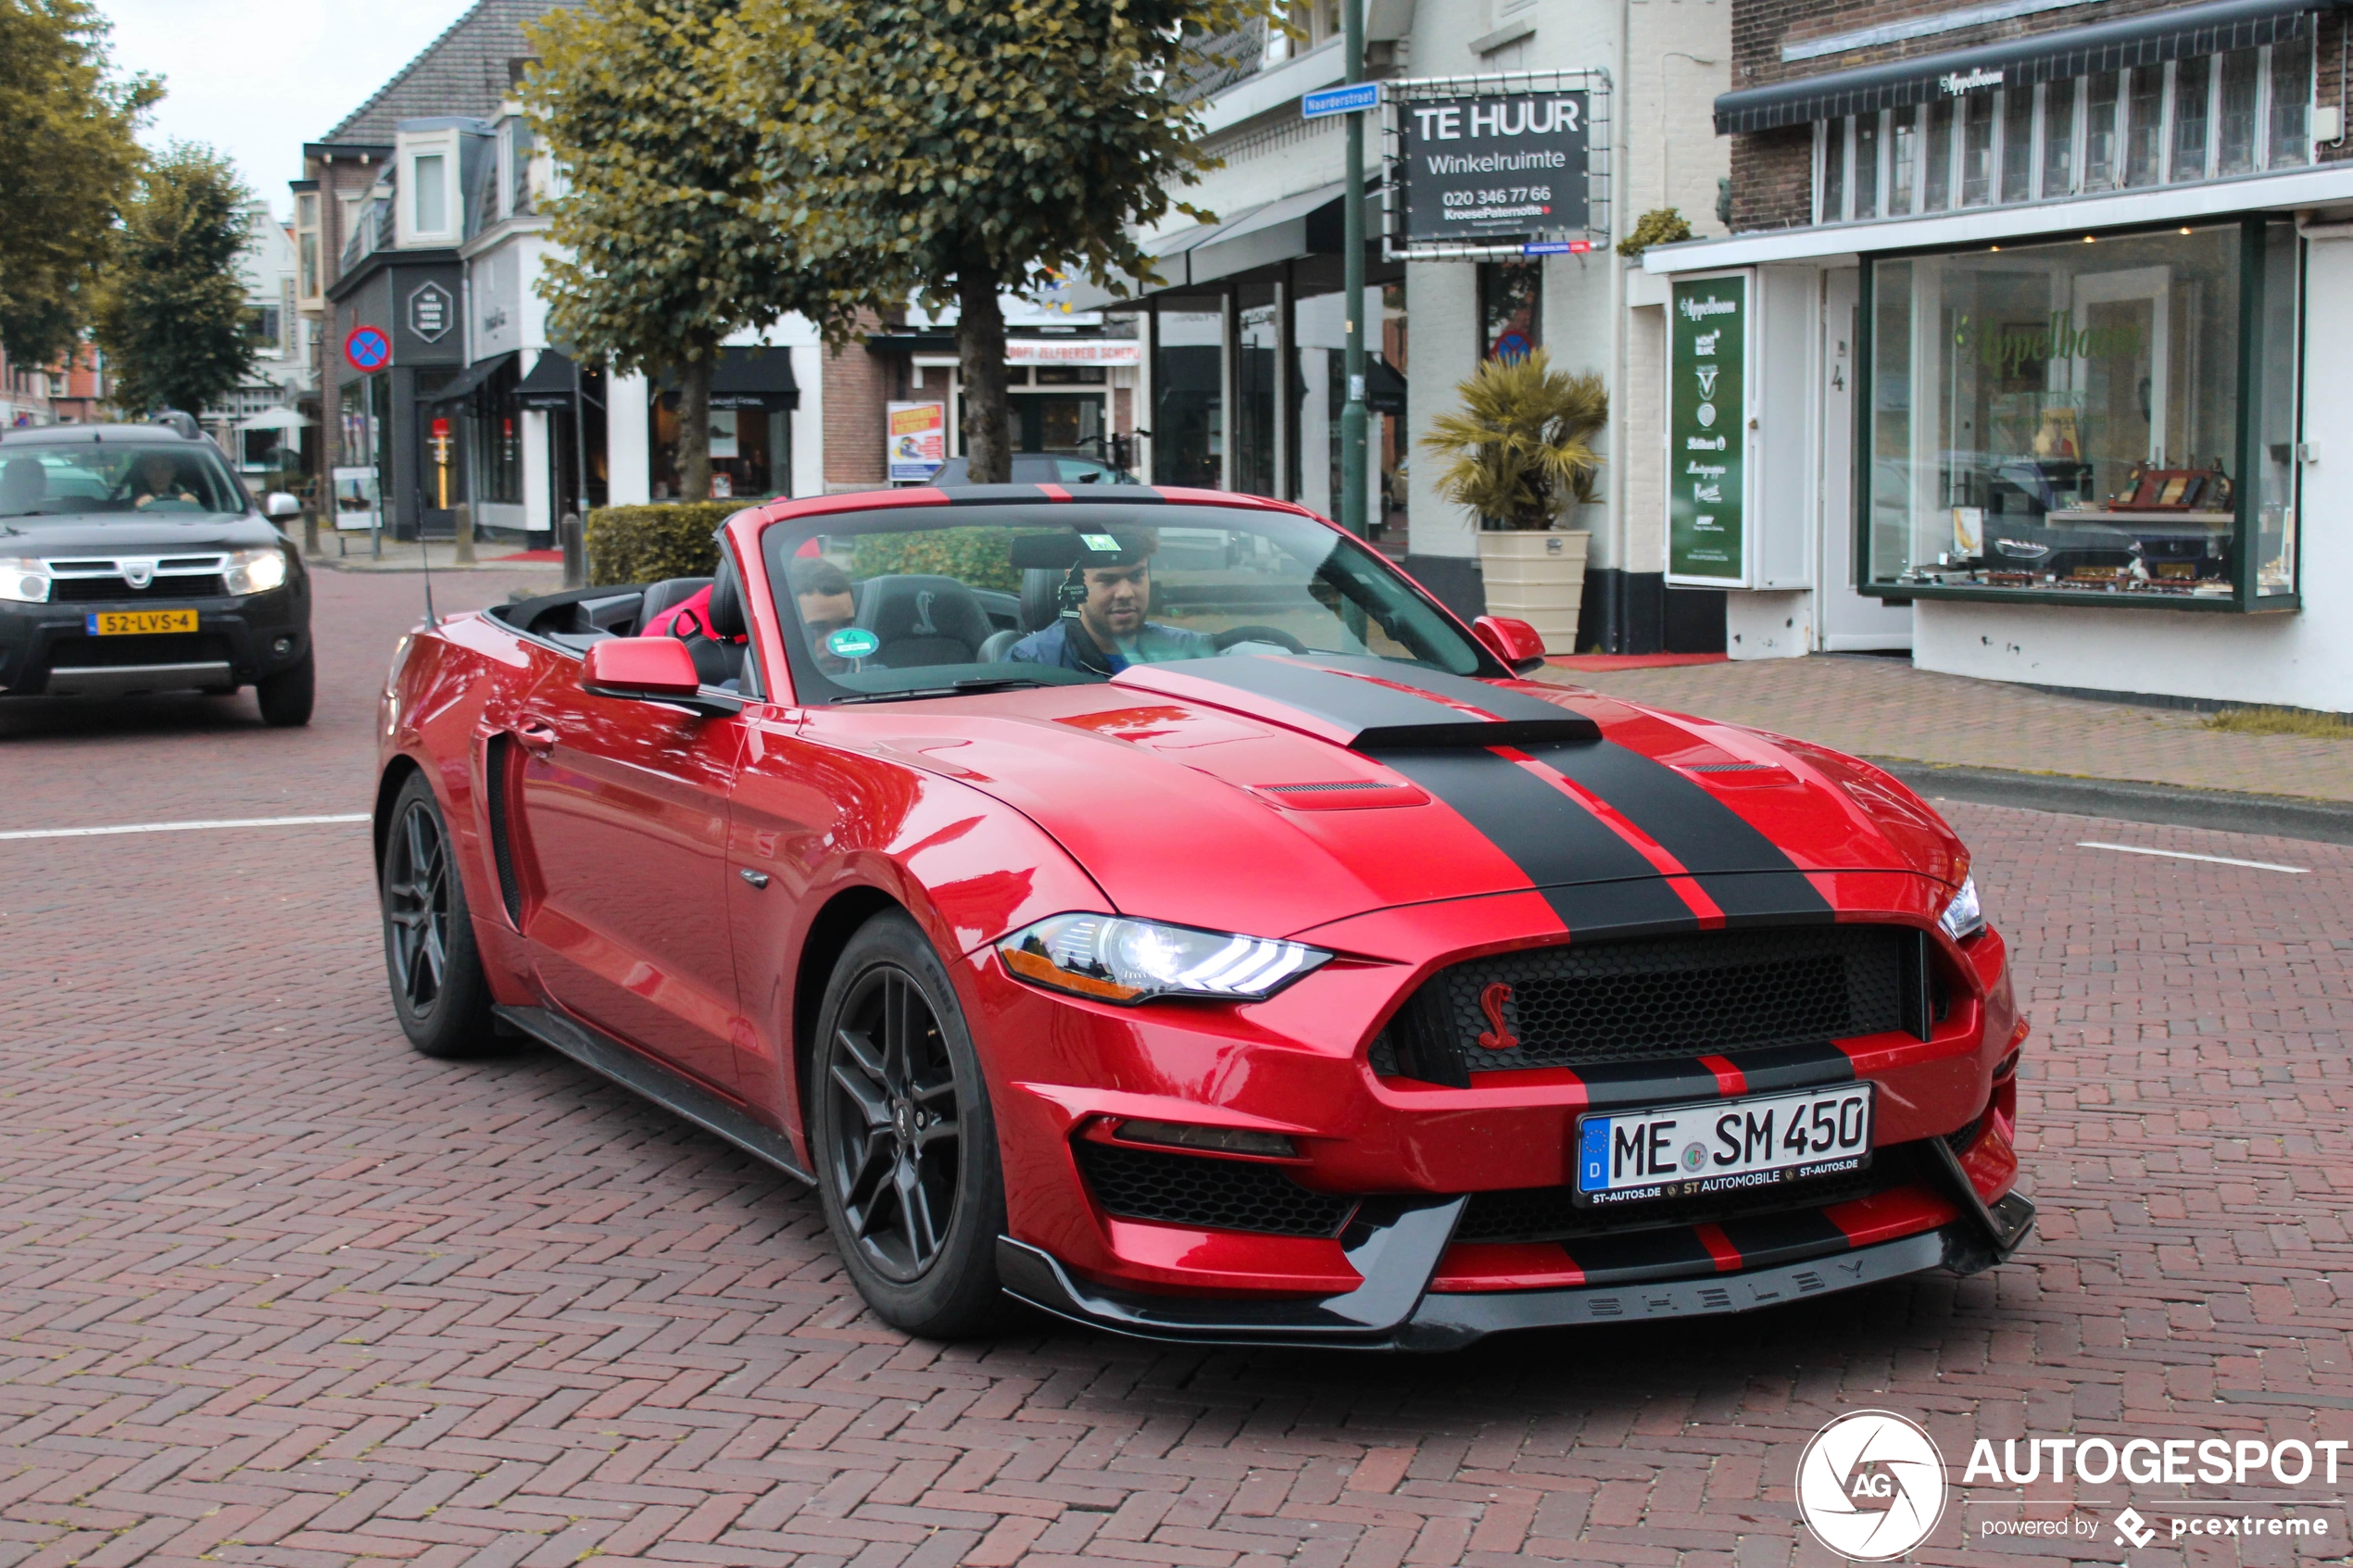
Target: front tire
438	987
287	698
905	1138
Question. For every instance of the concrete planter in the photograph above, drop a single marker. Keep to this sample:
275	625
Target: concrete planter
1538	578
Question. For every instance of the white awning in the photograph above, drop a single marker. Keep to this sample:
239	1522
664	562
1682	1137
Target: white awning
275	418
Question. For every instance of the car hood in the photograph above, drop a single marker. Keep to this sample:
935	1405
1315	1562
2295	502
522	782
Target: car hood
1277	795
133	532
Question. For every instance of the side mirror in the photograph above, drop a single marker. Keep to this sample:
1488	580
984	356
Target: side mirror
656	668
278	504
1515	641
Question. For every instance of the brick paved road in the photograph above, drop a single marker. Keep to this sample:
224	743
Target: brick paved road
273	1290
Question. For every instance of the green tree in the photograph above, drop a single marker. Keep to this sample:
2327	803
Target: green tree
171	308
67	123
955	147
643	104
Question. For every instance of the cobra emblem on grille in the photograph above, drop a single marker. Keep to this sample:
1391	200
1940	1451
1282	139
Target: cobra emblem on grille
1499	1036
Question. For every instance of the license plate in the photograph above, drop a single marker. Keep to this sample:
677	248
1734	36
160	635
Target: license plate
1724	1146
138	622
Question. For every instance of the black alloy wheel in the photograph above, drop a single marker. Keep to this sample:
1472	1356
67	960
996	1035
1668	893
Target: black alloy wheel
894	1084
905	1140
438	987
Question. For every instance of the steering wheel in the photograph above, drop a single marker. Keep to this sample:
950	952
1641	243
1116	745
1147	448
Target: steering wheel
1232	634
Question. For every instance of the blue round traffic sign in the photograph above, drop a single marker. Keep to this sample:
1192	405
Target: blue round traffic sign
368	349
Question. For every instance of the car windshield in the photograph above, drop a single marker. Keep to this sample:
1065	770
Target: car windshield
164	477
944	601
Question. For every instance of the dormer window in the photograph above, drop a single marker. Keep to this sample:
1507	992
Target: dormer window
430	204
430	181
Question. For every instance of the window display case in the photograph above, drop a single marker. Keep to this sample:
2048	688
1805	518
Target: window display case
2107	419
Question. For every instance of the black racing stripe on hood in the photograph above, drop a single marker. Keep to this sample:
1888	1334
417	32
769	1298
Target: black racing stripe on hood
1380	718
1706	835
1591	877
1612	1084
1500	701
1774	1068
1766	898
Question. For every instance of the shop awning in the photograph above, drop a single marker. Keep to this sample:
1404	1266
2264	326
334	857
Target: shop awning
2212	27
275	418
1384	387
747	377
473	376
1283	230
553	382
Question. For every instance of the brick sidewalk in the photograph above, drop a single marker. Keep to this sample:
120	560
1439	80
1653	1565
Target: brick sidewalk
1884	708
274	1291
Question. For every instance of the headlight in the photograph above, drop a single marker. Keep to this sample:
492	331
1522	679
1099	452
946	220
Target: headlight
1964	917
256	571
26	581
1133	961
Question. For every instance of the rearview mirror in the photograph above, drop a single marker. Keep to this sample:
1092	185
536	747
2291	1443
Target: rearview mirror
278	504
658	669
1515	641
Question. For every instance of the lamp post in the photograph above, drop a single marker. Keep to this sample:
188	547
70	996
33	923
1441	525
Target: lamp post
1352	416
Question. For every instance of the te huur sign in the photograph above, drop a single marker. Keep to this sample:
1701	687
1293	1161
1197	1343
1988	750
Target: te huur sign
1707	432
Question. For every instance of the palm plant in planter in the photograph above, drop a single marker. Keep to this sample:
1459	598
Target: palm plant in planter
1516	451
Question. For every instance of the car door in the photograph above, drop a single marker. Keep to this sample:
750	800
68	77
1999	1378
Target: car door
624	809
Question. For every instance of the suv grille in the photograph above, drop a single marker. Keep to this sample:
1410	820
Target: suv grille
1663	999
1186	1189
82	590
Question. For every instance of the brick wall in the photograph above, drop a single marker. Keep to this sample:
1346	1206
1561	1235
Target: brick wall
1773	179
857	385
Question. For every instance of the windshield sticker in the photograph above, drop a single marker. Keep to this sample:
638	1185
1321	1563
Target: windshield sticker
1102	543
852	641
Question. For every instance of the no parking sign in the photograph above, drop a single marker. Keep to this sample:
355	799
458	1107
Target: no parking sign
368	349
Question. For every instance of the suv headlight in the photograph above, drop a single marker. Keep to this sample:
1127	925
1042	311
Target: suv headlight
1964	917
256	571
23	581
1115	960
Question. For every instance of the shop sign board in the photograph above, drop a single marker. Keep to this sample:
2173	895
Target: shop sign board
1707	431
1489	168
918	438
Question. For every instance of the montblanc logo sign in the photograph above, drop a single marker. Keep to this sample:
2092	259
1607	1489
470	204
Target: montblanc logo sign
1954	83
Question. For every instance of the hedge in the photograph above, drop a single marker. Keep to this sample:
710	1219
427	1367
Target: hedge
649	543
979	558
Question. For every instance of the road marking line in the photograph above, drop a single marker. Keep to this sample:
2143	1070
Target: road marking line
185	827
2184	854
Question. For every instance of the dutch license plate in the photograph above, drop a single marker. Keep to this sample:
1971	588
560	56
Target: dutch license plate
1724	1146
138	622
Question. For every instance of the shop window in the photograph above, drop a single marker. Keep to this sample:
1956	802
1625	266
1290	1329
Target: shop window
2104	99
2017	145
1255	390
2191	106
2234	143
1866	169
2069	420
2058	138
2291	104
749	456
1904	156
1938	187
1188	415
1511	309
1977	149
2143	124
1834	203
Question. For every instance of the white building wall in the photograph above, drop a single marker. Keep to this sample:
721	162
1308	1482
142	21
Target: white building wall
1442	300
629	472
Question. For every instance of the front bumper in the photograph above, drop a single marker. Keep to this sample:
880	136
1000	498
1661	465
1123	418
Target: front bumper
46	649
1396	1246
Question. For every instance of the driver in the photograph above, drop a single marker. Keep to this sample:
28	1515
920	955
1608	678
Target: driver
157	478
1109	633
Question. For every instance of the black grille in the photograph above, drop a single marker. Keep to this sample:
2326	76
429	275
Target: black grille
159	648
85	590
1662	999
1551	1214
1185	1189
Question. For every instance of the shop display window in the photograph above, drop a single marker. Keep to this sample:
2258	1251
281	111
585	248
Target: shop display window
2108	418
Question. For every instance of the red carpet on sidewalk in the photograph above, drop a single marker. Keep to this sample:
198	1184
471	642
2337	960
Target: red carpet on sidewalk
554	557
1598	661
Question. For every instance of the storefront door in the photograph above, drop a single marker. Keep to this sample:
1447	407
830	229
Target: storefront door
1846	621
1068	425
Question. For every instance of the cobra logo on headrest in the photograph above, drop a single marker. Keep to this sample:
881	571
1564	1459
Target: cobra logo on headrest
923	628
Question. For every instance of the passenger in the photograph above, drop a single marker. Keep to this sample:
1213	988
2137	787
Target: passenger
1109	632
156	477
23	483
826	604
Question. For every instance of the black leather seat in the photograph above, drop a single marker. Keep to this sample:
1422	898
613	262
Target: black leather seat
719	658
666	594
1041	606
921	619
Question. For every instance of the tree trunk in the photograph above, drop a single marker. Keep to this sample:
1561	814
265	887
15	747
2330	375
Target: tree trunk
980	348
693	426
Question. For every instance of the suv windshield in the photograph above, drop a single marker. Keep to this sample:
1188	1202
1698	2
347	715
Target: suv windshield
938	601
163	478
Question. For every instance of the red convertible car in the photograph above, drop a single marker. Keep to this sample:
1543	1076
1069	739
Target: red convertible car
1155	909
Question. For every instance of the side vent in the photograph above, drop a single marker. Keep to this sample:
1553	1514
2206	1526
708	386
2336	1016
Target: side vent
499	763
1919	984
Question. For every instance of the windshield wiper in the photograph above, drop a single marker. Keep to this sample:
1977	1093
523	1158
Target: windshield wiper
965	687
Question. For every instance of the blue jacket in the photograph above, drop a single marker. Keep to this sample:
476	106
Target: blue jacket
1058	646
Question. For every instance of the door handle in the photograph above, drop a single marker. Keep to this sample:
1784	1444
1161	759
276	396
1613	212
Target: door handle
758	879
535	737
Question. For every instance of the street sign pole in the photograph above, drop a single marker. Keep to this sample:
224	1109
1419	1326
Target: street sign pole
1352	412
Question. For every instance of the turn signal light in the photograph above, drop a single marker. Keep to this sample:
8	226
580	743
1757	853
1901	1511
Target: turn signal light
1215	1140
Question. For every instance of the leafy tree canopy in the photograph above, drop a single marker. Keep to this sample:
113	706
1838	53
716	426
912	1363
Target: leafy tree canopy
645	104
956	146
171	308
67	123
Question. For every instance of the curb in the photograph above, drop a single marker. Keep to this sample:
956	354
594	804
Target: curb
2281	816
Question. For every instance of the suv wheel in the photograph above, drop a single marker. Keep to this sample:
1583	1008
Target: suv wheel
286	697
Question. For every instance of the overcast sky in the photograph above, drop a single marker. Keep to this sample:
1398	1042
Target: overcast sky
258	78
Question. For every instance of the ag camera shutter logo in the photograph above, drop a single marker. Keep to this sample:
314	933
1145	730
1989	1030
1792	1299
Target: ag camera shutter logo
1872	1486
